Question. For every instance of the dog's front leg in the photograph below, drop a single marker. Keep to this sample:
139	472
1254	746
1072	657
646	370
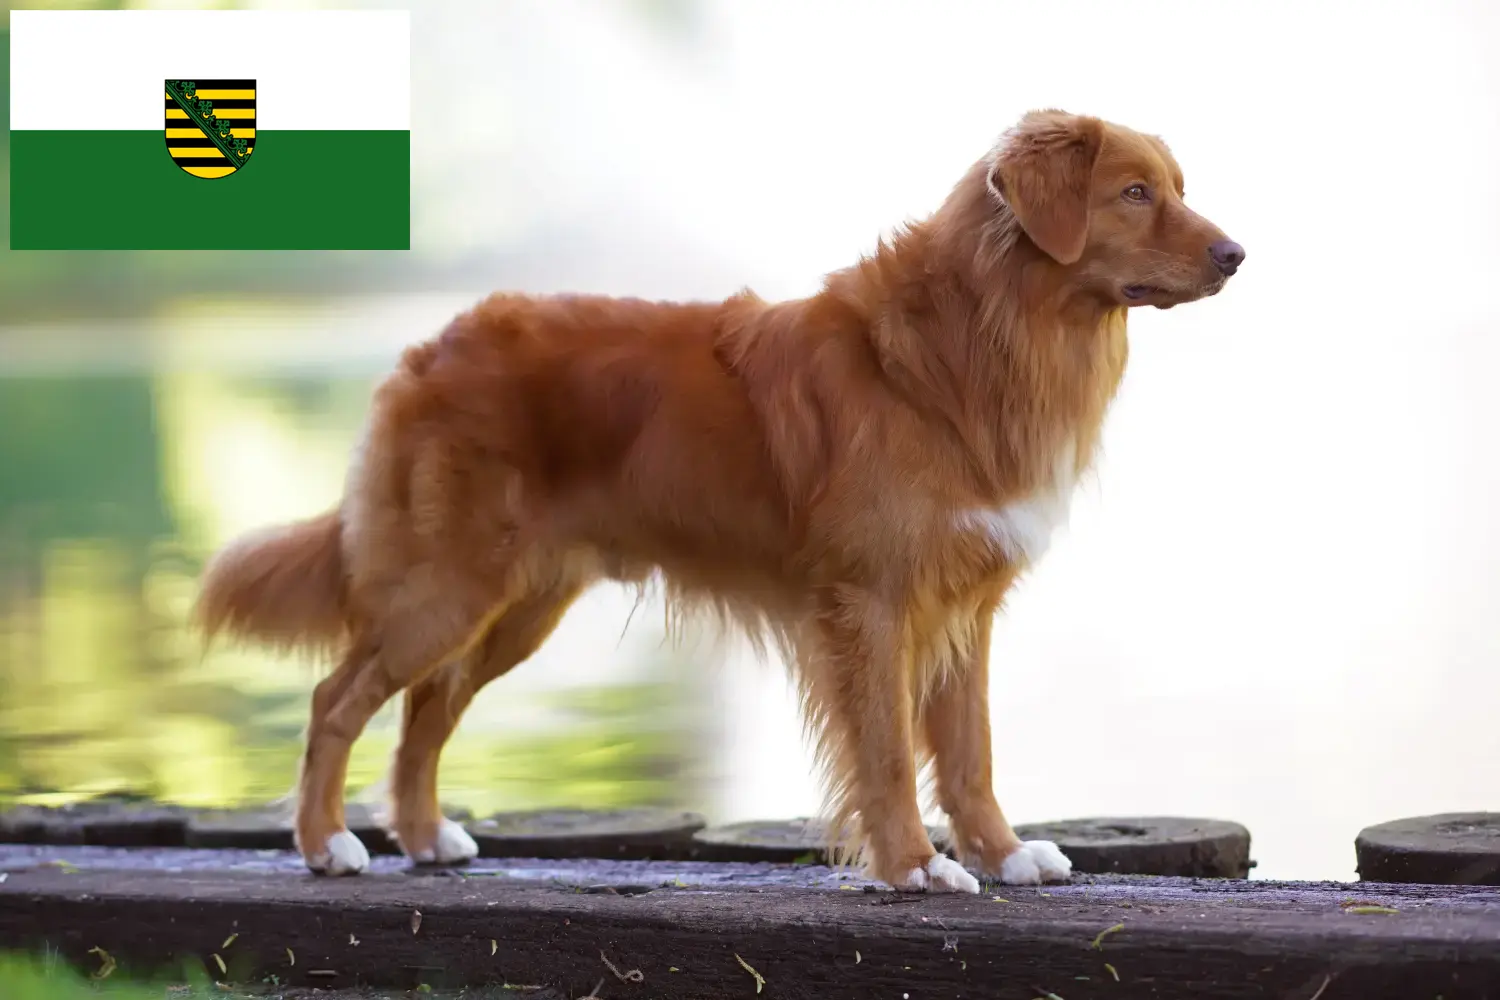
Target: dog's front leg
862	683
956	724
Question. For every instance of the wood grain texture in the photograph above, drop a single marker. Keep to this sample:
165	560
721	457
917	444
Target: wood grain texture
1181	938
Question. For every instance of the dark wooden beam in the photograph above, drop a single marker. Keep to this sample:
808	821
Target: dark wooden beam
1164	938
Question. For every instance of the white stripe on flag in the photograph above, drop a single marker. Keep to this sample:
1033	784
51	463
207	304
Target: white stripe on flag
314	69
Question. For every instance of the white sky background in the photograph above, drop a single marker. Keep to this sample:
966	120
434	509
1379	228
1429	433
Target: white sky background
1277	601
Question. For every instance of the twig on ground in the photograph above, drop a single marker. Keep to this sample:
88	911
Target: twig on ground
633	976
1098	944
760	981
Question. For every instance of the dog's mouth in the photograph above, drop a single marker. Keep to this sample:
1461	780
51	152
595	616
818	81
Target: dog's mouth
1165	298
1156	295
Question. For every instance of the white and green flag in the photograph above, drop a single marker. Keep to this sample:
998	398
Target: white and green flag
191	129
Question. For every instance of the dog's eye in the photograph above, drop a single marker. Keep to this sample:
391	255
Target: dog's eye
1136	192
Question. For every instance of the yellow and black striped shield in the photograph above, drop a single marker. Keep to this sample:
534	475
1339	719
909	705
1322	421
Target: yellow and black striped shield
210	125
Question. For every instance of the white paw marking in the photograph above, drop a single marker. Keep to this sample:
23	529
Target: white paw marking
1036	862
949	876
453	845
343	855
1022	529
942	874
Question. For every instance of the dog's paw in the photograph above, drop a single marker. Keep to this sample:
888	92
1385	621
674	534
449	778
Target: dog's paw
343	854
942	874
452	846
1035	862
947	875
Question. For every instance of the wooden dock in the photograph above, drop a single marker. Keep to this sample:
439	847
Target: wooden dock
661	929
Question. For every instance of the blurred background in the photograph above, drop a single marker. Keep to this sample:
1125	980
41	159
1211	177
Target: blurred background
1276	602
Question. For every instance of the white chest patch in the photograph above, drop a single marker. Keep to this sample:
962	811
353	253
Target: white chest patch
1023	528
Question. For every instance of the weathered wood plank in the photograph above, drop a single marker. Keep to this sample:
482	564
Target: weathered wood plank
1447	849
1181	938
112	821
1150	845
641	833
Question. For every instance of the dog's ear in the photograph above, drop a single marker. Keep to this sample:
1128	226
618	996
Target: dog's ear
1043	169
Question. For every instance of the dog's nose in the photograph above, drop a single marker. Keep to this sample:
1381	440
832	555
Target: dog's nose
1227	256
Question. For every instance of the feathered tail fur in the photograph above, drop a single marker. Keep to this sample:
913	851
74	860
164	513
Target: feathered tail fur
283	587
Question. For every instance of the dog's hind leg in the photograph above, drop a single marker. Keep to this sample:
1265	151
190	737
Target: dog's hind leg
383	657
433	708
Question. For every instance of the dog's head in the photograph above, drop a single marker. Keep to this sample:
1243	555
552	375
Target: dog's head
1105	203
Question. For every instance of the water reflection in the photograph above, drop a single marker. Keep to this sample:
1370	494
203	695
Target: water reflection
118	484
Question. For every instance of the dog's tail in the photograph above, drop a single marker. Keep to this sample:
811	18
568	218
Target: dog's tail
283	587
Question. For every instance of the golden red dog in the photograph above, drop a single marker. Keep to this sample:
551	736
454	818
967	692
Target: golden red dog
857	477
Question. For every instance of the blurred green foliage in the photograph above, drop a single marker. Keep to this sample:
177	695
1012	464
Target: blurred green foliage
102	689
25	977
46	977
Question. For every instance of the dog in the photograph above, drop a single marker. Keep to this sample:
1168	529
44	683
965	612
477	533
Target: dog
856	478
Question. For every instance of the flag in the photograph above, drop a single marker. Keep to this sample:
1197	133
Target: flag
217	129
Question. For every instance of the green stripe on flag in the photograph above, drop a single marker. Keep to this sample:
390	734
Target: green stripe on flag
82	190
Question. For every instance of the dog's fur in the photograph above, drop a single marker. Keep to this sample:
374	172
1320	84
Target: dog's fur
858	477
